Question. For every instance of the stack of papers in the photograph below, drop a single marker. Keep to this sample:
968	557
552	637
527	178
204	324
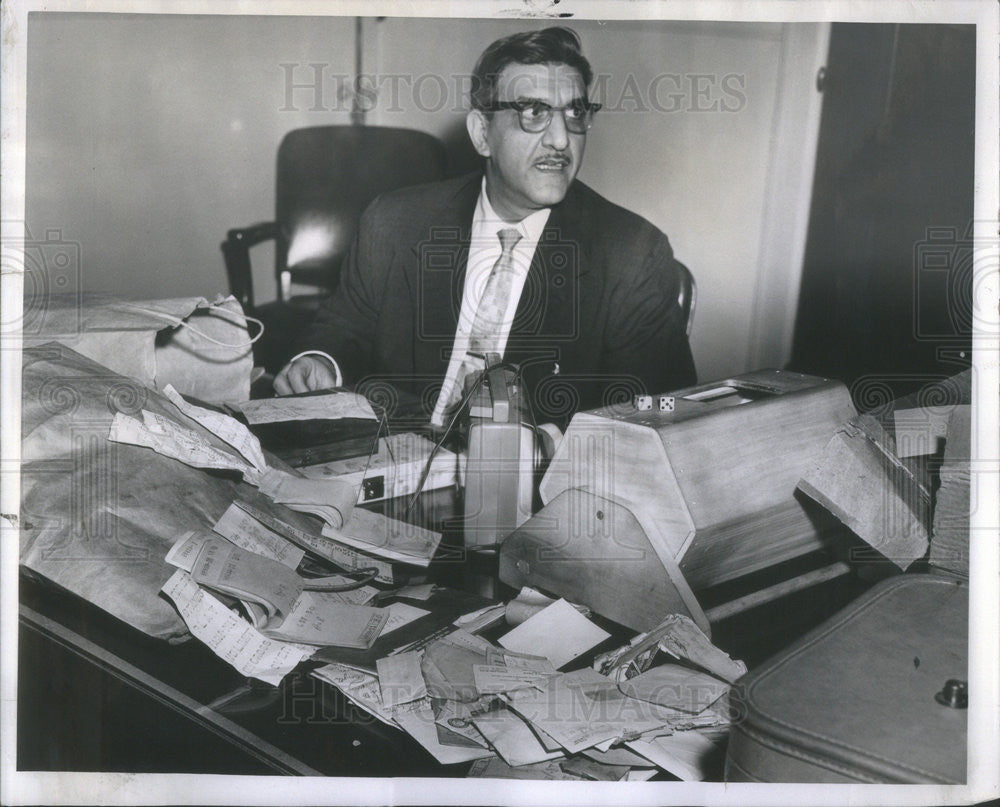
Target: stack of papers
509	708
330	499
274	597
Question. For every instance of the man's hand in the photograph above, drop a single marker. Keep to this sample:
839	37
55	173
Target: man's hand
305	374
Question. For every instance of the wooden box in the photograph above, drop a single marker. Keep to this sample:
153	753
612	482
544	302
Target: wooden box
710	479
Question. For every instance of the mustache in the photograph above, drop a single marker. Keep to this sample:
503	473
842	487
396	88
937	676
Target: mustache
554	156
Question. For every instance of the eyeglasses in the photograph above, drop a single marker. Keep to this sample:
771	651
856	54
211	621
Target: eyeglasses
535	116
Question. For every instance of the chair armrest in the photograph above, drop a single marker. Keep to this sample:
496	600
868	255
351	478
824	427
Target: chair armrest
236	252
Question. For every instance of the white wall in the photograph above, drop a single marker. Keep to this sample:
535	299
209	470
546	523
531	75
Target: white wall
148	137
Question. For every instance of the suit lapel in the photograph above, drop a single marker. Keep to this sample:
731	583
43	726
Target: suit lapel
549	311
436	275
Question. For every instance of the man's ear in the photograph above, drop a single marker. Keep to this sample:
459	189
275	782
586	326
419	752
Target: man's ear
477	124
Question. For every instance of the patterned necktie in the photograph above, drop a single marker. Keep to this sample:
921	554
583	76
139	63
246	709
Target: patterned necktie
485	333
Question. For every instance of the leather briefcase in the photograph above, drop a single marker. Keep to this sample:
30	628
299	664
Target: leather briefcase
863	697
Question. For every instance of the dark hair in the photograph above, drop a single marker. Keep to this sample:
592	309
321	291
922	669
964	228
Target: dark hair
555	45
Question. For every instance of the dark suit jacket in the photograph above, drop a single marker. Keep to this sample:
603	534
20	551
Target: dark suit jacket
597	323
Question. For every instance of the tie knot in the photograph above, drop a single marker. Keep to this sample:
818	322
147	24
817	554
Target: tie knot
509	236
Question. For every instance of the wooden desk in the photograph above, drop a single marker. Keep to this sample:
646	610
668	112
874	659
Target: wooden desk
97	695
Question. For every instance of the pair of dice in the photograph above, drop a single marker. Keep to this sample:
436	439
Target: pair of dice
645	402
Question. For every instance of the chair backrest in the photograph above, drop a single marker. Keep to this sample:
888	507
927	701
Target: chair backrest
326	177
687	295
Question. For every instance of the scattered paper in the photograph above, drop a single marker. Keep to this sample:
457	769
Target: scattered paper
448	664
320	619
559	632
417	720
457	717
334	406
229	637
677	687
386	537
170	440
401	614
595	771
496	768
359	687
491	678
330	499
353	596
400	679
342	556
683	639
640	774
225	567
583	708
685	754
512	738
529	602
245	531
422	592
185	550
481	619
227	429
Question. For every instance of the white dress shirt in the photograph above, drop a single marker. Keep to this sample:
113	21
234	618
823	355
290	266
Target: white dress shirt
484	251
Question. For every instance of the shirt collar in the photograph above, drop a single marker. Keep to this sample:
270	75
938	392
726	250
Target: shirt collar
486	222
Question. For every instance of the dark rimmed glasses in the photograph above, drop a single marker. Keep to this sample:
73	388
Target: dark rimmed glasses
535	116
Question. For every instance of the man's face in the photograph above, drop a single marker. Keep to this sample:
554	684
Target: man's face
527	171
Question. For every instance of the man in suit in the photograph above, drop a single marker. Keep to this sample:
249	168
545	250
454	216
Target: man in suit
522	259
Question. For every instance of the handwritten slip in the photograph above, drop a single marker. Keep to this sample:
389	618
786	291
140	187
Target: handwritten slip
225	567
227	429
677	687
334	406
400	613
342	556
386	537
583	709
494	678
359	687
229	637
185	550
400	679
330	499
319	619
177	442
559	632
245	531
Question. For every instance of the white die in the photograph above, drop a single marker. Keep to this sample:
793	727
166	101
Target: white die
643	402
666	403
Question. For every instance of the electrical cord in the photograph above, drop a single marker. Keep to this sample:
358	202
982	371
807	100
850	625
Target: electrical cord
451	424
